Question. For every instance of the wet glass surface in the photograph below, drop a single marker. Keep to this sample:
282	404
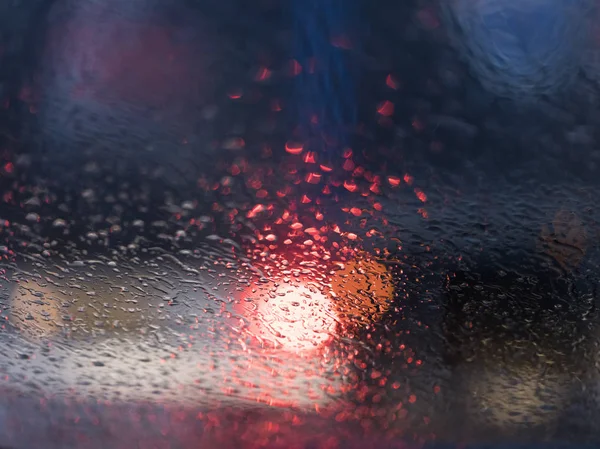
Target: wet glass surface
299	224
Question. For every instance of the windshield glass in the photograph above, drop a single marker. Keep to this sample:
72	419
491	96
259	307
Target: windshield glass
308	224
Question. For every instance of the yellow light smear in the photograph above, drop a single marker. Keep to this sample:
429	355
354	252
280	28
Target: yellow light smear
40	309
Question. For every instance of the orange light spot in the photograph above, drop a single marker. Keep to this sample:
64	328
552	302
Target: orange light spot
305	199
386	108
412	399
364	289
296	226
408	179
262	193
356	211
351	236
325	168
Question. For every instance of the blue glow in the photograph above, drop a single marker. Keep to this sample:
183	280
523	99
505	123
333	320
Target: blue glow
329	93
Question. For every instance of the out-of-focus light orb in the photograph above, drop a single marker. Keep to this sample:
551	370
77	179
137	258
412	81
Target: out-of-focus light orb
292	316
520	48
299	316
363	289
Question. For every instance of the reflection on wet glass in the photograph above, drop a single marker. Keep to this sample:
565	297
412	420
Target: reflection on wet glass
257	226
